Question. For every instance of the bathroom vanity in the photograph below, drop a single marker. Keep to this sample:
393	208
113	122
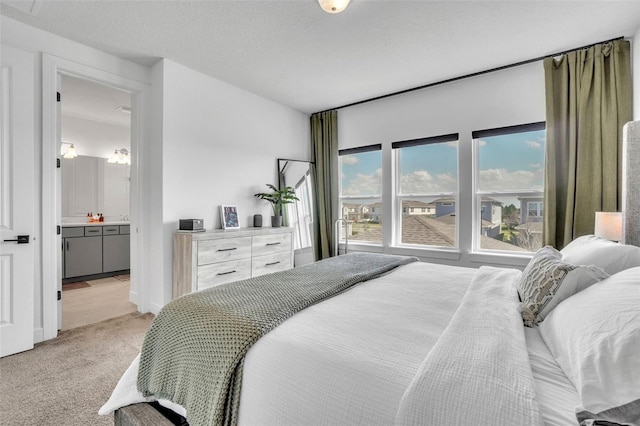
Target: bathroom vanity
94	248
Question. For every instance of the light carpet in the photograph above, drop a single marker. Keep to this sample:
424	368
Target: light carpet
66	380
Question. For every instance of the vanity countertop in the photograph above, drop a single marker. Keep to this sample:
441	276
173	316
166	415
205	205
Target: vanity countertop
70	224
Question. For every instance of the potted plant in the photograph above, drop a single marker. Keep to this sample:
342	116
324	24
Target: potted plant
278	198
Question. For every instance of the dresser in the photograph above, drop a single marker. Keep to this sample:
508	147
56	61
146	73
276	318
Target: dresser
207	259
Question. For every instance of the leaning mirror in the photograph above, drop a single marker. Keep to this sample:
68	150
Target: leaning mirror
299	215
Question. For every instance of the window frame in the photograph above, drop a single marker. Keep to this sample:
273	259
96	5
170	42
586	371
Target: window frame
478	195
375	198
398	198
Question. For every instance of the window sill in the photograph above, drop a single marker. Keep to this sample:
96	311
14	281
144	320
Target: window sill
428	253
501	258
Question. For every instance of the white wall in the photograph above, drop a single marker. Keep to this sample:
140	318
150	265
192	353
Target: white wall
220	146
504	98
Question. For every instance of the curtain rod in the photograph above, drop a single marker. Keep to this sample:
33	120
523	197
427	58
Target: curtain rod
475	74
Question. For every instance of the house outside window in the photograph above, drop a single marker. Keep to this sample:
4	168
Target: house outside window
426	185
361	193
509	184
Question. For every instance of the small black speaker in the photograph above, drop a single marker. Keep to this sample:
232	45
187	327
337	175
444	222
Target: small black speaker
257	221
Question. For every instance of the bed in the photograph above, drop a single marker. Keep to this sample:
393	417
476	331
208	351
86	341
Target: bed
418	345
421	343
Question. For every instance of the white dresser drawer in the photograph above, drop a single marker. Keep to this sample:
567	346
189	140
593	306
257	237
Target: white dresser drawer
223	272
267	264
269	244
221	250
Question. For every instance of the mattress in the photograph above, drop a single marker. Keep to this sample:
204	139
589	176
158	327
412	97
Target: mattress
358	352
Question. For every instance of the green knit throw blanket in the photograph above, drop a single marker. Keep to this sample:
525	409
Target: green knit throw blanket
194	351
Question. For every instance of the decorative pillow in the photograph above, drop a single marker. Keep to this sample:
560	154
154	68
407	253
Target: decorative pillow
547	280
595	338
610	256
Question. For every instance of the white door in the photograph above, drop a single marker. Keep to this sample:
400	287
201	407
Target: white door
17	195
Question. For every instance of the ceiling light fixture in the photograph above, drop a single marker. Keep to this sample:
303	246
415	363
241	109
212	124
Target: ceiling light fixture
333	6
119	156
71	151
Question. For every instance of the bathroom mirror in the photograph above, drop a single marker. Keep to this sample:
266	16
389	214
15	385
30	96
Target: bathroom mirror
91	184
299	215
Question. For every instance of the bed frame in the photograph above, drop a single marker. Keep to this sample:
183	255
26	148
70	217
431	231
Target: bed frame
147	414
153	414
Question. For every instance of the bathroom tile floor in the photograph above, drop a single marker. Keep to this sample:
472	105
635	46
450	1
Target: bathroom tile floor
102	299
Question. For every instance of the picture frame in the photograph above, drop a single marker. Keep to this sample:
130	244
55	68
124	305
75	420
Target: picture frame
229	217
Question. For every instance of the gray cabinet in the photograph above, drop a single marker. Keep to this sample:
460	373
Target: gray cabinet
97	249
83	256
115	252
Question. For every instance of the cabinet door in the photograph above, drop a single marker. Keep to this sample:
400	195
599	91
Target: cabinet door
115	251
83	256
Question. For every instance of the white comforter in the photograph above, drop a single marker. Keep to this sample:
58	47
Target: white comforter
351	359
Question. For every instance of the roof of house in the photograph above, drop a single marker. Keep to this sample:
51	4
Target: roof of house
415	203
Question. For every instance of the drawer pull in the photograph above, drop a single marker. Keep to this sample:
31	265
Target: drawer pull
227	273
228	249
272	263
93	230
274	244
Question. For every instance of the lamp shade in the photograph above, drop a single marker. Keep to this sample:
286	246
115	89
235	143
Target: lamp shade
609	225
333	6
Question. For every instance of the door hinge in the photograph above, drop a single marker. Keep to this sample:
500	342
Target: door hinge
59	295
58	96
57	163
58	230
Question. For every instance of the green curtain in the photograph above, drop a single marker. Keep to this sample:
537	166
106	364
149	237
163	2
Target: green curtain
588	101
324	152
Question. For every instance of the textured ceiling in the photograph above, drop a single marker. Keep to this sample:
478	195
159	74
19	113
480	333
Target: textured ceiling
294	53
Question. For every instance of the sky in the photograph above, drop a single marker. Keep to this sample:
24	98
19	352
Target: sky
507	163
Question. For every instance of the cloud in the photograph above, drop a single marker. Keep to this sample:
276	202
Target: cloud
422	182
535	166
482	142
365	184
349	160
502	179
534	144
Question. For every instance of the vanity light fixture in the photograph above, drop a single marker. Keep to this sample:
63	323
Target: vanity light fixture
71	151
119	156
333	6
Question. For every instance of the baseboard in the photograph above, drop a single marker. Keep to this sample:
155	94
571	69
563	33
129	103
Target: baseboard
38	335
155	308
133	298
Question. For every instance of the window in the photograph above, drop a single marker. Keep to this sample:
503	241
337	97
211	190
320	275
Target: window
427	185
509	187
534	209
361	193
300	215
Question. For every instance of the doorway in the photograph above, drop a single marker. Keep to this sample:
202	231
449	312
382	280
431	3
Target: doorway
95	194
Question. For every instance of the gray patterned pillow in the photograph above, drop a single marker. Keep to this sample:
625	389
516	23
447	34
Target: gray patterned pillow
547	281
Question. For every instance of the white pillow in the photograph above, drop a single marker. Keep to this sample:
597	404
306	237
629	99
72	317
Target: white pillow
595	338
548	280
610	256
